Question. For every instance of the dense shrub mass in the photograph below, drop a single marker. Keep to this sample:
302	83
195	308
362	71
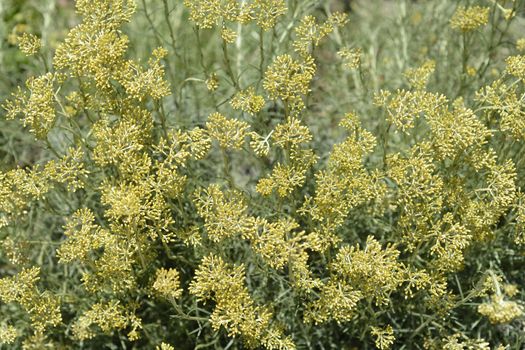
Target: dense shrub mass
263	174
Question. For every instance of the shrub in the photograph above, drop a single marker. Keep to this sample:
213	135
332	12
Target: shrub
261	182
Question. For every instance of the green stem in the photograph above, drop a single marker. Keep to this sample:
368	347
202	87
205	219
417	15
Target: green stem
227	167
386	140
170	28
162	114
158	38
261	50
51	148
464	62
227	62
44	61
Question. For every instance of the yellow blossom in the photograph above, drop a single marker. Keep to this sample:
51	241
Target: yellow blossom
29	44
499	310
229	132
289	79
37	106
167	283
384	337
467	19
309	33
228	35
418	77
8	334
165	346
212	83
248	101
351	57
516	66
268	11
235	310
520	44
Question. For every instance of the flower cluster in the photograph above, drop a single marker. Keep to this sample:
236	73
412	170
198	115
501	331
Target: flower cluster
467	19
230	133
248	101
499	310
37	106
384	337
208	13
309	33
108	317
43	307
167	284
351	57
289	80
29	44
516	66
235	309
371	273
286	177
